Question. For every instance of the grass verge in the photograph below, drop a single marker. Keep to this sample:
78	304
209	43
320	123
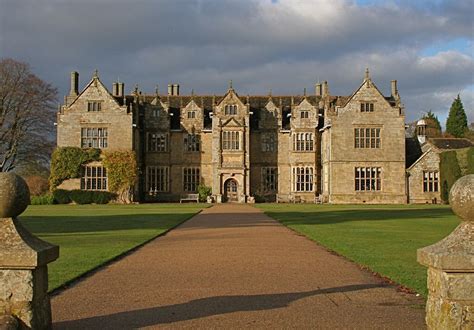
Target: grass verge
383	238
91	235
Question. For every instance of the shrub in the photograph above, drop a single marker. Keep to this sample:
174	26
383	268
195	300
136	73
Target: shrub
61	196
66	163
470	161
121	173
203	192
81	196
449	172
102	197
45	199
38	185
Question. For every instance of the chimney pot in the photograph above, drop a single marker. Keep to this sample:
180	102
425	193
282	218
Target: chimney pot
115	89
318	90
394	88
74	83
176	89
325	89
170	89
121	89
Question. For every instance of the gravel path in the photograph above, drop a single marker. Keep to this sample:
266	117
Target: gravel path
231	266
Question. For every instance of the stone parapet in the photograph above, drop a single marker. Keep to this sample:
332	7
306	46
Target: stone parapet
450	265
24	301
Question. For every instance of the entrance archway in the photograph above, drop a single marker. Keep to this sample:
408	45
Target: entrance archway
230	190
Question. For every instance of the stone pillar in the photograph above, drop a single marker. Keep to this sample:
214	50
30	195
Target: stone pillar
24	301
450	265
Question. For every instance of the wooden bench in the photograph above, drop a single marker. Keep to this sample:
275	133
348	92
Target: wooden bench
190	198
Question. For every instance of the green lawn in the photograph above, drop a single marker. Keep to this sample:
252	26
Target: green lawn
382	238
90	235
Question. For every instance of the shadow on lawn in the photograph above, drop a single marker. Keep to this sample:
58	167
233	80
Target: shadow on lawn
333	217
87	223
200	308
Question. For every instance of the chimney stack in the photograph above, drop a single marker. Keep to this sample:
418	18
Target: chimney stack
394	88
325	89
121	89
74	84
317	90
115	89
173	89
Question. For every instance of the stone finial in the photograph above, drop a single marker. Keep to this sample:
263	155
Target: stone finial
23	260
450	265
230	85
367	75
14	195
461	198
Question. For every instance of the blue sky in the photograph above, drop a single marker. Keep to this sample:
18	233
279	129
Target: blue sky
284	45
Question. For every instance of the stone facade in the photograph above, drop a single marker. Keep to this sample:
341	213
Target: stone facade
271	148
428	162
360	144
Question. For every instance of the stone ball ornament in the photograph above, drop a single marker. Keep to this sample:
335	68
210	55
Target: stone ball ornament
461	198
14	195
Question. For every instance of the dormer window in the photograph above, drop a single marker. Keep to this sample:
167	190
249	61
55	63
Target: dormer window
366	107
94	106
304	114
191	114
230	109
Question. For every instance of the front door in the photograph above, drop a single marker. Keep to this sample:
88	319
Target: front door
231	190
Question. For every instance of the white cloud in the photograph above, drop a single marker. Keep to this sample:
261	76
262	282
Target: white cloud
285	46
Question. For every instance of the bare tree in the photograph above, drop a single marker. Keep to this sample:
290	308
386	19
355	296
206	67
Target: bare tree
27	109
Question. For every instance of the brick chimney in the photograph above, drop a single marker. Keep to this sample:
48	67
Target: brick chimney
394	88
74	84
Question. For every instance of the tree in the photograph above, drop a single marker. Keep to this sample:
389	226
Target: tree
456	124
27	108
433	127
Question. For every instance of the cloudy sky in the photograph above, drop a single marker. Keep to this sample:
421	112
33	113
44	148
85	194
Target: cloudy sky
283	45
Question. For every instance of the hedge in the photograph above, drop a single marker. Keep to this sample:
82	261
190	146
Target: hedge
66	163
82	196
45	199
449	172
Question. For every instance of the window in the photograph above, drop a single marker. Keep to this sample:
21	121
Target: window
366	107
94	178
191	177
192	142
231	140
367	137
269	142
269	179
303	142
230	109
302	179
94	106
304	114
367	178
157	142
430	181
94	137
157	179
191	114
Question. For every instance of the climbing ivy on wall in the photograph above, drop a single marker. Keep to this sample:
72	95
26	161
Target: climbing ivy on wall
449	172
121	173
66	163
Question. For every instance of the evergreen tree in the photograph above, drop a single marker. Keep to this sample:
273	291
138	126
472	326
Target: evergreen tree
433	127
456	124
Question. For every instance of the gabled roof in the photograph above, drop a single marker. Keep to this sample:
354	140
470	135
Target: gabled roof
95	78
450	143
368	80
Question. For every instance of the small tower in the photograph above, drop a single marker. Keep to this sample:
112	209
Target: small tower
421	131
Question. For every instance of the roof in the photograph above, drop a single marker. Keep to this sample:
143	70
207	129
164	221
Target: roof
256	102
412	151
450	143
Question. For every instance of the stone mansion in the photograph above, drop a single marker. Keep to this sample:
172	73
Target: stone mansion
312	147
